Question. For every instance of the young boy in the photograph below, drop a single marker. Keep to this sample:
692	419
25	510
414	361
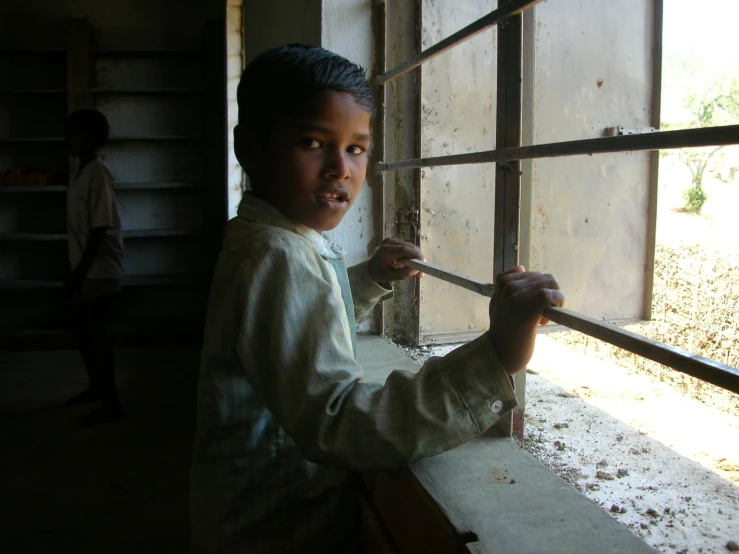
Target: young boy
283	411
95	255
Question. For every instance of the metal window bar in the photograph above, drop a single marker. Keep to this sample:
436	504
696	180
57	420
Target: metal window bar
660	140
707	370
489	21
508	179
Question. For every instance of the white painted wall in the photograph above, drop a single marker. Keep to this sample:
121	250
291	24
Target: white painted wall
346	28
343	26
234	67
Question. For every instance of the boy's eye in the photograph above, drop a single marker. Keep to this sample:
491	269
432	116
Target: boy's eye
312	144
356	150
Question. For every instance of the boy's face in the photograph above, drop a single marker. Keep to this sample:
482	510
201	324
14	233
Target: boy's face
78	142
314	165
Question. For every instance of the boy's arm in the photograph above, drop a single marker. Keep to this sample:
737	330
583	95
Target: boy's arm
370	281
366	293
295	349
94	240
102	209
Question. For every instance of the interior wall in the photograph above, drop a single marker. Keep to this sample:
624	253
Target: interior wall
458	96
588	214
234	67
343	26
346	28
164	24
136	159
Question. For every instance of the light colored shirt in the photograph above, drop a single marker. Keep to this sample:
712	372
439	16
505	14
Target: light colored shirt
284	412
91	204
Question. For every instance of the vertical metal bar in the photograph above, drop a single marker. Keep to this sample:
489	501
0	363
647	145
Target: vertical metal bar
507	176
653	159
417	151
508	135
379	24
215	151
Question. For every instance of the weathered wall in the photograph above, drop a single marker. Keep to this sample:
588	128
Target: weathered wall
158	177
589	213
346	28
457	203
165	24
267	24
234	67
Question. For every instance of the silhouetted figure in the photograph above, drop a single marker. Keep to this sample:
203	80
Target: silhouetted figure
95	257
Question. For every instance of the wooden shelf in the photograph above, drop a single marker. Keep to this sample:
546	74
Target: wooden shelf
30	140
126	281
31	188
28	284
157	233
147	53
32	51
15	237
157	138
118	186
156	186
136	234
147	92
10	91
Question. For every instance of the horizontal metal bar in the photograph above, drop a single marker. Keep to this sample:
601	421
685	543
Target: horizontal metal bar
661	140
719	374
474	28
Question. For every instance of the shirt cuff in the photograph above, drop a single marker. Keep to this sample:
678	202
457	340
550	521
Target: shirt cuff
366	293
481	382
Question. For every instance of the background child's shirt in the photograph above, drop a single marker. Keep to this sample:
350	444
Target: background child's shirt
283	409
91	204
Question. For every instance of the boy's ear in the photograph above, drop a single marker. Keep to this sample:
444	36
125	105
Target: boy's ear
247	148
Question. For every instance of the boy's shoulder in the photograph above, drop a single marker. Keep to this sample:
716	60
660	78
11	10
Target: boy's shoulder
97	170
259	240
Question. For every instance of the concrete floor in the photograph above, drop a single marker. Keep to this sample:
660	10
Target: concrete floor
123	488
120	488
116	488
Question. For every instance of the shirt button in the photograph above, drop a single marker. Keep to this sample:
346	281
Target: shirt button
496	406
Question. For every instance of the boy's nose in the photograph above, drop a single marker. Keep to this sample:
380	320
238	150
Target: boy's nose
337	167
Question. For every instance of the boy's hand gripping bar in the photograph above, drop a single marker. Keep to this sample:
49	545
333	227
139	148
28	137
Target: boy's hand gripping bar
719	374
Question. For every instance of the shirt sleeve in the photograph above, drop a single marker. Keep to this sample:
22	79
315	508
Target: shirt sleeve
102	200
366	293
296	352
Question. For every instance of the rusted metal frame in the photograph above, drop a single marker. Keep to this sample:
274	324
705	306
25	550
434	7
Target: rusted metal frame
713	372
508	176
662	140
417	150
379	24
653	182
512	8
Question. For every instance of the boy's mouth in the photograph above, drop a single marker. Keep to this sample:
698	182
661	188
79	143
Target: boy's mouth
333	199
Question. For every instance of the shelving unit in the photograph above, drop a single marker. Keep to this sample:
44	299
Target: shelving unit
127	281
164	143
118	187
134	234
24	92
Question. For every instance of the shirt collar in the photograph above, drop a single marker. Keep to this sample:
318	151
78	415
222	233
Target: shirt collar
256	210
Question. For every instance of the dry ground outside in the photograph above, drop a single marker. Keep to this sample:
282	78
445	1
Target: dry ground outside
656	449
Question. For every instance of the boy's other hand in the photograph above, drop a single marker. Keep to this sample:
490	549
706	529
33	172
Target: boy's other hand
516	312
384	267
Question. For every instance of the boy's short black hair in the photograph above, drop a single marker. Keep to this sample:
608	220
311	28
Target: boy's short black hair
93	123
279	81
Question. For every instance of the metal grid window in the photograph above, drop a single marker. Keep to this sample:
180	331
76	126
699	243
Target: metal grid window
509	152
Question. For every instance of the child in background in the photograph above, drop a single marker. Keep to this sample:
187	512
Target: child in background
284	413
95	258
